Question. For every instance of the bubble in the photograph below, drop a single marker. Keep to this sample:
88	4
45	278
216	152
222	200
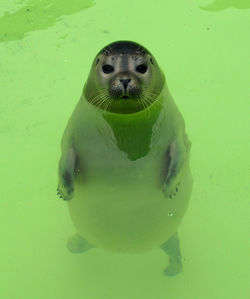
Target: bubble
170	214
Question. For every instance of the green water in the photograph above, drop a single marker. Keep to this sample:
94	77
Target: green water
46	49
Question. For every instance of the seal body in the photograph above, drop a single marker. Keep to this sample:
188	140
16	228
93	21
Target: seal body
126	175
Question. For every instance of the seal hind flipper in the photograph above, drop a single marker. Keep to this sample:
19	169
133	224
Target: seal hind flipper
77	244
172	248
66	174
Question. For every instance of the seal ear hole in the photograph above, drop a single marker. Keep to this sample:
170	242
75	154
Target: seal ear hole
151	60
142	68
107	68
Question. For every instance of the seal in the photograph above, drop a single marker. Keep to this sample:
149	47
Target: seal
124	167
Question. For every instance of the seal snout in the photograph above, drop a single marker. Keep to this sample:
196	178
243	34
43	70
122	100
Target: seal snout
125	83
124	86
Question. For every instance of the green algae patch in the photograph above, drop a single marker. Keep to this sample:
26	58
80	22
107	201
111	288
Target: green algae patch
37	15
219	5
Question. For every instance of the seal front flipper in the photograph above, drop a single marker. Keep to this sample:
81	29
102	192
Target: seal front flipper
66	174
176	156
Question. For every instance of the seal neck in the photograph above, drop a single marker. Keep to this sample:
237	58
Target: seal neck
133	132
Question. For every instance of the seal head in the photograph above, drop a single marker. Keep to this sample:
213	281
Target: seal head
124	78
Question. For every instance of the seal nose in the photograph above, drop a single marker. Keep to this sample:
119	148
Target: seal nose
125	82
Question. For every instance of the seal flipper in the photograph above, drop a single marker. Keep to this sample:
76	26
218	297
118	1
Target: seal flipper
177	157
77	244
172	248
66	174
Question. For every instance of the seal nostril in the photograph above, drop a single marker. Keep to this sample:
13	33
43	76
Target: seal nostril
125	82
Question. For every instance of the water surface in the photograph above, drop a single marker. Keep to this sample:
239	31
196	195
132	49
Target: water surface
45	56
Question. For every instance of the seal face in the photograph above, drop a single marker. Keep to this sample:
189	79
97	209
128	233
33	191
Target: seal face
124	78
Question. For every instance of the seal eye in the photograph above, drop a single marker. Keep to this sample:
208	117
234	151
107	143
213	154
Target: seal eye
142	68
151	60
107	68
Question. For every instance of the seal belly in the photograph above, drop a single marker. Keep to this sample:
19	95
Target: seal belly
119	205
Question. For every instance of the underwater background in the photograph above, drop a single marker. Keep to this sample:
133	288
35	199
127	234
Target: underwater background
46	50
